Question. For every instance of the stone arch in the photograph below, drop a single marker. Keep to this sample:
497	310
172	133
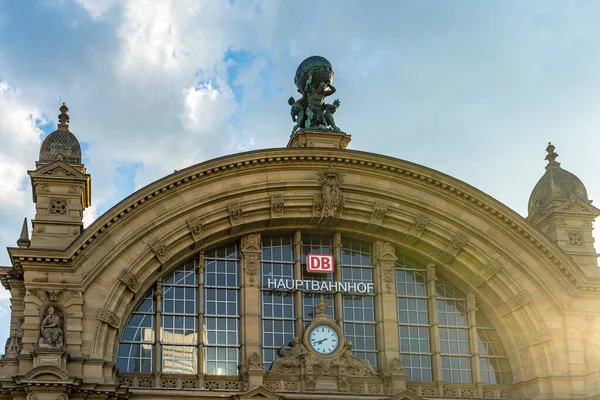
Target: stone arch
490	249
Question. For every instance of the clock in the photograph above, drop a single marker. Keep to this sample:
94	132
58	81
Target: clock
323	339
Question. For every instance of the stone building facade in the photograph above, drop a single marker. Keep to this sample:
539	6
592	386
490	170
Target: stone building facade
198	286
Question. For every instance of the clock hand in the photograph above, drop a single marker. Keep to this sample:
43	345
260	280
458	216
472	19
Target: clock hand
320	341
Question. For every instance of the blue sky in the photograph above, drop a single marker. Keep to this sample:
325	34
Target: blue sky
473	89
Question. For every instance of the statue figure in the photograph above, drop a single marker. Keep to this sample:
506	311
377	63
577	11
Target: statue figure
330	109
313	80
291	360
396	366
51	331
297	111
316	98
355	365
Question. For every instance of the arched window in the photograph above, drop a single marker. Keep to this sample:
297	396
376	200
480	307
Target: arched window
189	321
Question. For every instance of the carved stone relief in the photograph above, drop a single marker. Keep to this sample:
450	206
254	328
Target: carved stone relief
277	205
53	294
161	251
58	206
330	203
491	269
196	228
420	224
109	317
519	300
251	255
236	216
379	211
129	280
386	259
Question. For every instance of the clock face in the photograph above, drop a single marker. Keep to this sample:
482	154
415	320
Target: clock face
324	339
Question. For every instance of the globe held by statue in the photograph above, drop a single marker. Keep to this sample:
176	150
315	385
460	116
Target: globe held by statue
320	68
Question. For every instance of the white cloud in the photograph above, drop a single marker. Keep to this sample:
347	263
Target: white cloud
96	8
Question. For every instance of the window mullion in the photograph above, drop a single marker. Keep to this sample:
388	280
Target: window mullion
201	367
473	343
158	328
337	299
298	303
434	333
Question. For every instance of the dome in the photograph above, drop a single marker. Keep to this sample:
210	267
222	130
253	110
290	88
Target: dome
61	144
320	66
556	183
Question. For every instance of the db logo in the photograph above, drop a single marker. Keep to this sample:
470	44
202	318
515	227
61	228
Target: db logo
319	263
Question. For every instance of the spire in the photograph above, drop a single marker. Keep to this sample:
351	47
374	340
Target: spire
551	157
63	118
24	238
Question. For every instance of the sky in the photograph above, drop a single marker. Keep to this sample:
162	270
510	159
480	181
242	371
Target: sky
474	89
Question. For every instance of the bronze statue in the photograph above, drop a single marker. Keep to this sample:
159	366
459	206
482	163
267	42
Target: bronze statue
313	80
51	331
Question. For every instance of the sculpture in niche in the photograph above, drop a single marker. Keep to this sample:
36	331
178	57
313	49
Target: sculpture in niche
290	360
51	329
313	80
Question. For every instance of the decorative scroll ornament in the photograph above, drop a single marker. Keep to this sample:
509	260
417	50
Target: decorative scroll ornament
519	300
396	367
331	201
51	328
251	255
109	317
277	205
129	280
161	251
236	216
53	294
379	211
196	228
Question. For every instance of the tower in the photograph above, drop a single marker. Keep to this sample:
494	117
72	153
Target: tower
559	207
61	188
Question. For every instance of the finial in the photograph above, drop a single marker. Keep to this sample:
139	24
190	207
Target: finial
24	238
551	157
63	118
322	306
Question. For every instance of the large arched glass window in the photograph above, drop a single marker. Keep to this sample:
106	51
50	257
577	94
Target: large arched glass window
172	309
431	308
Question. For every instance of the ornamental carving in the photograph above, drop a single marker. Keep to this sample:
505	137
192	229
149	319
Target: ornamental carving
254	362
458	242
42	188
290	361
161	251
491	269
431	273
53	294
236	216
58	206
542	335
109	317
379	211
575	239
386	260
196	228
58	171
472	304
251	256
396	367
51	328
74	189
421	222
519	300
129	280
277	205
330	202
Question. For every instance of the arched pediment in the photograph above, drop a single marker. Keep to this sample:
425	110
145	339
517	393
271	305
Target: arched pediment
483	244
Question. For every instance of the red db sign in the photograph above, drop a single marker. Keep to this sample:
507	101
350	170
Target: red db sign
319	263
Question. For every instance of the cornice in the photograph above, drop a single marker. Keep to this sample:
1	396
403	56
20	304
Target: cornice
340	158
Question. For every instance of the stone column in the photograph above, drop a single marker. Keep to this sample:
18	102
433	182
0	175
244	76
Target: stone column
158	342
337	277
385	304
201	334
434	335
251	354
298	275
